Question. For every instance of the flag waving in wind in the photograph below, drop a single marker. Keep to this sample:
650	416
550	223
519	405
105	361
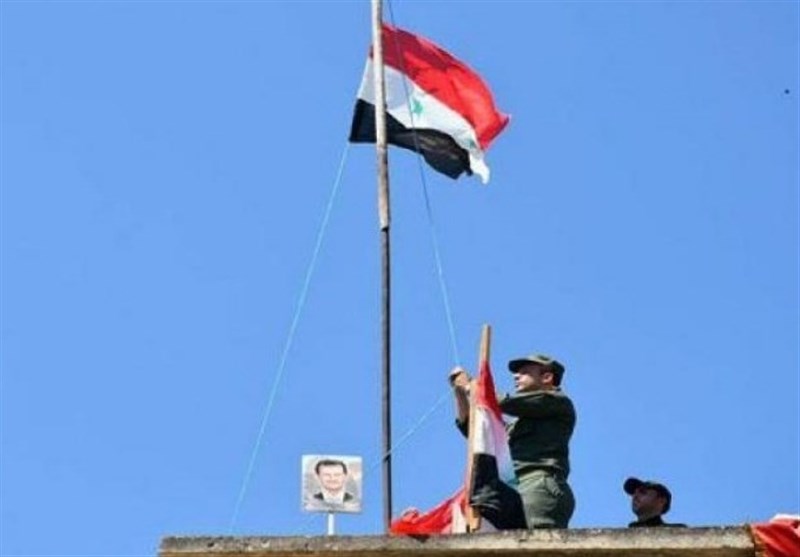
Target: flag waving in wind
435	104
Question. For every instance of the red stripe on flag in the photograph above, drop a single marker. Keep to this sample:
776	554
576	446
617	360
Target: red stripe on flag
485	395
780	537
438	520
448	79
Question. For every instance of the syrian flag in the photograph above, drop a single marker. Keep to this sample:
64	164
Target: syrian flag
445	518
491	483
435	104
780	537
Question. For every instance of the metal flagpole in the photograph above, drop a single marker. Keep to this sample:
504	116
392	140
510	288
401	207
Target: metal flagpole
383	215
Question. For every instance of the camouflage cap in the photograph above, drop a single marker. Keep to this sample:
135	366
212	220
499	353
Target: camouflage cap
632	484
540	359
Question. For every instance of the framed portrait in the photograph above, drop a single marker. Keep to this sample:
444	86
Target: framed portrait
331	483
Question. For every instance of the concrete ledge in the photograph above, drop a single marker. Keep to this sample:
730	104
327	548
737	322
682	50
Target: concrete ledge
727	541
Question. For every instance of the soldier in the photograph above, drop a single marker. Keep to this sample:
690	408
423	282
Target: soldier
543	418
649	501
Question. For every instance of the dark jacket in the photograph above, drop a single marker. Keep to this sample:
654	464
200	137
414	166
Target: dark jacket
652	522
539	437
347	496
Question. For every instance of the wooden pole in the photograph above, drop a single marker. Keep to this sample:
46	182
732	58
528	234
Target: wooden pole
473	518
383	216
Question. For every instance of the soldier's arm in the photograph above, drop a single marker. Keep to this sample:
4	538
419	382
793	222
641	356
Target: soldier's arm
540	404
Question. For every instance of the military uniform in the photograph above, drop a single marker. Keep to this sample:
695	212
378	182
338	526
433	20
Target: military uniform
539	442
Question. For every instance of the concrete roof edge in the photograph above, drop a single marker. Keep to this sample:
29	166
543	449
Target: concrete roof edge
718	541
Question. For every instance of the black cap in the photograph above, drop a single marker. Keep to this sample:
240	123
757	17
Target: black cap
632	484
540	359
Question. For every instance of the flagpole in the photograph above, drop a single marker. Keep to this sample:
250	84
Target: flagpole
383	215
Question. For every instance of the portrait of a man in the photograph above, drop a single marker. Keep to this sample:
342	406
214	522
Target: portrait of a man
331	483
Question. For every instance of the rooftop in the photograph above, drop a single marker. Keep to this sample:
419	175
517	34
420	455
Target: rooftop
726	541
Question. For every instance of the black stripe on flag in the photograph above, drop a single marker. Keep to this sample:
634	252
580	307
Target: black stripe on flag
498	502
438	149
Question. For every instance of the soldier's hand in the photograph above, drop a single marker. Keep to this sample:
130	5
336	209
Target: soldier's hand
459	378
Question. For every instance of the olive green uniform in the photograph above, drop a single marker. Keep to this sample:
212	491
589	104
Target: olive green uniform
539	442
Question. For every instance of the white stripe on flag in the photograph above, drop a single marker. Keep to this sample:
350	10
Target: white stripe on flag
491	438
428	113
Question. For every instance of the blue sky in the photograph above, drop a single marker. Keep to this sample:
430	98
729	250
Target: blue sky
166	167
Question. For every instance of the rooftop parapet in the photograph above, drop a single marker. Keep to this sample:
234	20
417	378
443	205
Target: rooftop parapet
726	541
